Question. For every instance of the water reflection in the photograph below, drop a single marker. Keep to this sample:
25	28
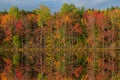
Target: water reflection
57	64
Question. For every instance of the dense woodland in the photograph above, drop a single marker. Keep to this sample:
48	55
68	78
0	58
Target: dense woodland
62	33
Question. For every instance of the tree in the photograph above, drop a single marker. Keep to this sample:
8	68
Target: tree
23	13
14	12
16	59
16	41
32	21
79	11
44	14
2	34
114	17
64	8
71	7
67	8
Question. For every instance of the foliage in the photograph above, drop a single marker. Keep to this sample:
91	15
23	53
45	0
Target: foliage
40	45
44	15
16	59
16	41
66	8
14	12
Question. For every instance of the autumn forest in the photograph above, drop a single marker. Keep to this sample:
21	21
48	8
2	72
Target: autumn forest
74	43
